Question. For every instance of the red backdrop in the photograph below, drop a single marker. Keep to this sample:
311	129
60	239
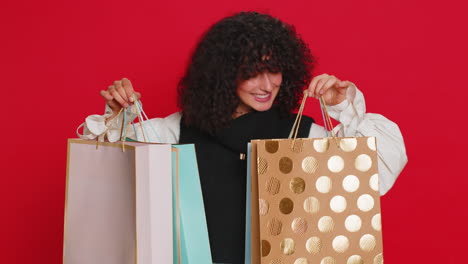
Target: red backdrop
408	57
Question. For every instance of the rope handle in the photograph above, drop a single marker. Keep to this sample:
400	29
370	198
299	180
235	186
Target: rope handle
98	139
142	118
326	119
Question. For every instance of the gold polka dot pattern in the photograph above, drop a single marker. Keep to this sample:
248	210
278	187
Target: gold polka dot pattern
272	146
367	242
274	226
340	244
355	259
348	144
285	165
338	204
374	182
266	248
297	146
326	224
353	223
378	259
321	145
273	186
311	205
262	165
276	261
309	165
314	245
363	163
286	206
301	261
365	202
376	222
297	185
336	164
288	246
328	260
263	206
371	143
351	183
299	225
320	201
323	184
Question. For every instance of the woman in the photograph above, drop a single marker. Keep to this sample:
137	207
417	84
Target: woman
245	78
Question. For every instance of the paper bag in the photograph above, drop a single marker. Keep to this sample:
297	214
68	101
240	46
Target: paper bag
191	241
318	201
118	204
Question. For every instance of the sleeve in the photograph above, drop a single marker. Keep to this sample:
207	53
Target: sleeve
354	121
156	130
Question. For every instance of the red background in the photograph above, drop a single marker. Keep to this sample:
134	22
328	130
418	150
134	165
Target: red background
408	57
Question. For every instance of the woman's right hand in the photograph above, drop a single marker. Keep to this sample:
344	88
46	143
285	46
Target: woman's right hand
120	94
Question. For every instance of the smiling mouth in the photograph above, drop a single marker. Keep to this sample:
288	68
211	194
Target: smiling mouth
261	96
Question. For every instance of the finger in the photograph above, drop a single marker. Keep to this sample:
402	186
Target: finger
313	84
113	104
343	84
110	89
106	95
113	91
120	89
328	84
128	87
321	84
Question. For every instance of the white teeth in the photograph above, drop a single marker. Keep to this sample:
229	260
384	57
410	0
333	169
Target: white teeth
262	95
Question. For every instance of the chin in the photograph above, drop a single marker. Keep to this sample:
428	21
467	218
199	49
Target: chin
262	108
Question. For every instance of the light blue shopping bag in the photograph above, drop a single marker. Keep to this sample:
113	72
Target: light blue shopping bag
248	213
191	243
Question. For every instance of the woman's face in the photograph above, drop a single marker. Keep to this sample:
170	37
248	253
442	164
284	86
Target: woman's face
259	92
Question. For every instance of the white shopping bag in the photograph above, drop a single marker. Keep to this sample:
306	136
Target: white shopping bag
118	203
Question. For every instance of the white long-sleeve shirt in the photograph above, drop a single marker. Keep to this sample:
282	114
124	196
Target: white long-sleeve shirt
351	113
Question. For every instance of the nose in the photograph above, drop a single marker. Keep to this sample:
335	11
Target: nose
267	84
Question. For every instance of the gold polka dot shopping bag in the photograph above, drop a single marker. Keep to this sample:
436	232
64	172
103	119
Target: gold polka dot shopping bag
315	201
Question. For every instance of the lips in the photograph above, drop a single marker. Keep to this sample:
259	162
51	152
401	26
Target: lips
262	97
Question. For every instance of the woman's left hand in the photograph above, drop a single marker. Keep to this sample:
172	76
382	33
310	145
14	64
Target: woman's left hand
331	88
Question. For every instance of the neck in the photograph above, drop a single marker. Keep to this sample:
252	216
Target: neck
241	110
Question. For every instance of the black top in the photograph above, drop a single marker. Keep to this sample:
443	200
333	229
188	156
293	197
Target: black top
223	175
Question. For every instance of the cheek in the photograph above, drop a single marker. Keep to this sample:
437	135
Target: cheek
242	92
239	90
278	86
244	87
278	81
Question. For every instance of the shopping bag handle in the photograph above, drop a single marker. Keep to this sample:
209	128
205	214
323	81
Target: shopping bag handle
142	117
325	115
101	136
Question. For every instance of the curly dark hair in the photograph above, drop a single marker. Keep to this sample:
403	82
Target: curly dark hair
235	49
